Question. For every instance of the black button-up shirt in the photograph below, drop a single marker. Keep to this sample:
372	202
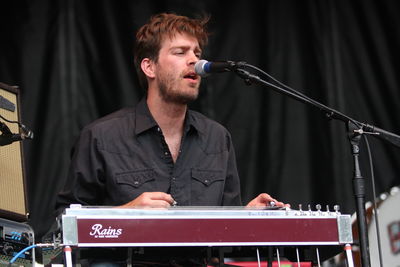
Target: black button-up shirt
124	154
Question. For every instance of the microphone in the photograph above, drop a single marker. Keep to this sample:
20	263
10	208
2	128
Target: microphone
205	68
7	137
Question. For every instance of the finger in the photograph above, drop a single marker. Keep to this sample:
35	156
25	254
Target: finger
279	204
263	197
266	198
161	196
150	203
270	201
159	204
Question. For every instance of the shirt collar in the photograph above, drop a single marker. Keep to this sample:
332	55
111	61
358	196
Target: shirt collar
192	121
145	121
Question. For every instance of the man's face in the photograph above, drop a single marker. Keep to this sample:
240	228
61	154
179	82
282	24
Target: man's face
175	75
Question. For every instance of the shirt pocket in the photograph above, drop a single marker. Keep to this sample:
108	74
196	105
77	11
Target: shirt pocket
137	178
207	177
207	187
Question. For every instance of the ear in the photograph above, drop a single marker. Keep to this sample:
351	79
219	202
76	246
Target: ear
147	66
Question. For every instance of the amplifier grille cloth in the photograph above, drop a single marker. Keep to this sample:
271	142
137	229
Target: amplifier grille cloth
12	196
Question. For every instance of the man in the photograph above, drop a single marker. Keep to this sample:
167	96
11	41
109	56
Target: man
160	153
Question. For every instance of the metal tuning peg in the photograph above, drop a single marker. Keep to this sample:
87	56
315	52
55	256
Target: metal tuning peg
287	210
301	209
318	207
336	208
309	210
327	210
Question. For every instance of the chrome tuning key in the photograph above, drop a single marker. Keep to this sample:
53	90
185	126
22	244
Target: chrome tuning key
301	209
327	210
336	208
309	210
318	207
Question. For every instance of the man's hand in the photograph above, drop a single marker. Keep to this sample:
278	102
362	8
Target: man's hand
264	200
150	200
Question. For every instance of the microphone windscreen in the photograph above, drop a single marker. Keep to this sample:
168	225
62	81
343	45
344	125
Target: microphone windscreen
199	68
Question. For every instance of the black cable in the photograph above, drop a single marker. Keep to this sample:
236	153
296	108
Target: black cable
9	120
375	201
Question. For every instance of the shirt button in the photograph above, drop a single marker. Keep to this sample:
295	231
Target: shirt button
206	181
136	182
166	153
173	178
158	129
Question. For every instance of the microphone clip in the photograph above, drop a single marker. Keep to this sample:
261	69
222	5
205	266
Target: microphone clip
361	132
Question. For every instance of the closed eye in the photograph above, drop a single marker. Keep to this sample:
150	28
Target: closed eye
178	51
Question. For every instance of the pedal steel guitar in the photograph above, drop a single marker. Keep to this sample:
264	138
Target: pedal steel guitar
202	226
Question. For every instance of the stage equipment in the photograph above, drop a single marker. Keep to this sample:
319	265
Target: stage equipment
206	227
13	197
14	237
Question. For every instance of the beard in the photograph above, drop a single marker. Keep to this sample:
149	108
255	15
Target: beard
172	91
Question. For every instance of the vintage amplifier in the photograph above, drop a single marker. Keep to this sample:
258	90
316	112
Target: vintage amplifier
13	197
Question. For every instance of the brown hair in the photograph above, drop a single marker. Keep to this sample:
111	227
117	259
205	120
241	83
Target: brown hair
150	36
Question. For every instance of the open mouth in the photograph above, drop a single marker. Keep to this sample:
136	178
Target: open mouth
192	76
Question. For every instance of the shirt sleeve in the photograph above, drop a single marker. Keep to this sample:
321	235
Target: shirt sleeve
85	182
232	193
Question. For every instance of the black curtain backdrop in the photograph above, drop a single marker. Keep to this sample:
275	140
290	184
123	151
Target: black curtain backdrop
73	60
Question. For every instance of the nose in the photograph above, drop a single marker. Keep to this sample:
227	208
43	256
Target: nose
192	58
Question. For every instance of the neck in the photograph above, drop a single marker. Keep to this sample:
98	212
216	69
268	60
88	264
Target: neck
169	116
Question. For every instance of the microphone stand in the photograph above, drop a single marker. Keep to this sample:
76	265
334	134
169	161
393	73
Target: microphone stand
355	129
359	194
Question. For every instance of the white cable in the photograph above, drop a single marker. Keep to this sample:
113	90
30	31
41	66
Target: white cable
349	255
278	257
319	263
298	257
68	256
258	258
